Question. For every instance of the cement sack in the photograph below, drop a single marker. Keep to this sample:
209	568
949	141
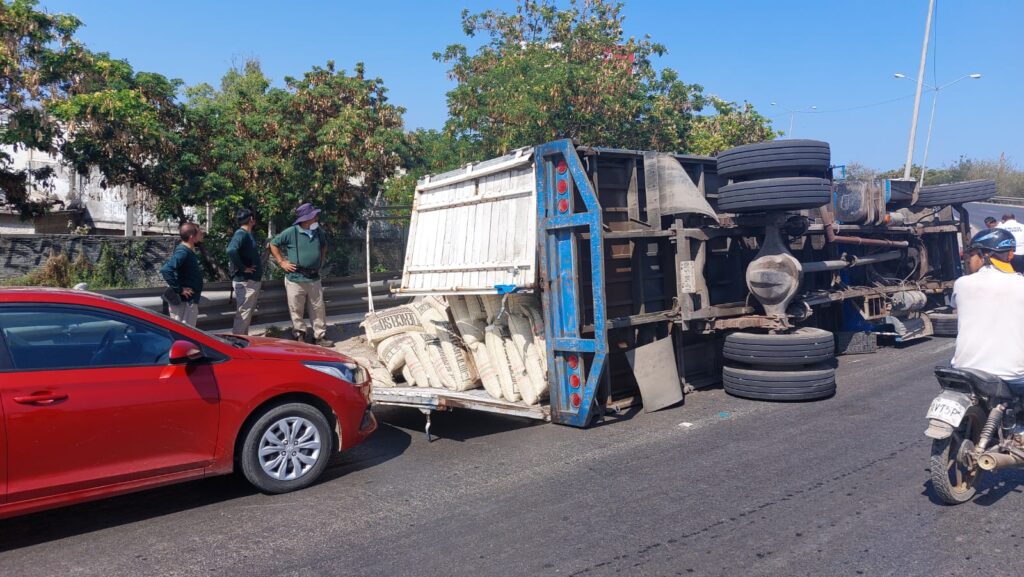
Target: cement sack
455	368
499	360
390	322
533	387
472	330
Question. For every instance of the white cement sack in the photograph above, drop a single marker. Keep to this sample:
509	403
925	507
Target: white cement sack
390	322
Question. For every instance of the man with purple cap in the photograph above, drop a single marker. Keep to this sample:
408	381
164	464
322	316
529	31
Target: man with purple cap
301	250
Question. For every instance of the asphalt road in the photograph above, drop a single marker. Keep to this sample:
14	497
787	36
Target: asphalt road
977	211
718	486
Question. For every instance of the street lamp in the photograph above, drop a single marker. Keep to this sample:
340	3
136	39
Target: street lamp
931	121
792	115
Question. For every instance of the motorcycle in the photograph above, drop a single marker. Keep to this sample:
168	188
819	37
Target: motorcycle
974	429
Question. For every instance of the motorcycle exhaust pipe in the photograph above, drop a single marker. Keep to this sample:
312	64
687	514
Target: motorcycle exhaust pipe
993	461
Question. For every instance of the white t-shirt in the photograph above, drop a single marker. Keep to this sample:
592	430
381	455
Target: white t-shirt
990	322
1015	228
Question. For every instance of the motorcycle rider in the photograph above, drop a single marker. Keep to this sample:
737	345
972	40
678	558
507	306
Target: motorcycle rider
990	309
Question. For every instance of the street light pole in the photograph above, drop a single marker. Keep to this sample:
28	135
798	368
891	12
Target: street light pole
931	121
917	94
792	116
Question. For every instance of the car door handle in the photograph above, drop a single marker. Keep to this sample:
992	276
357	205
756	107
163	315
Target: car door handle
41	398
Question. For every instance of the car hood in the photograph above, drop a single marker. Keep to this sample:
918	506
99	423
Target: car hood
280	349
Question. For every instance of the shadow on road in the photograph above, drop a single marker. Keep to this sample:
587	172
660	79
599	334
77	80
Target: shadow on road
457	425
991	488
17	532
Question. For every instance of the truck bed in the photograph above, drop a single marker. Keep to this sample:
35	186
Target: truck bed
432	399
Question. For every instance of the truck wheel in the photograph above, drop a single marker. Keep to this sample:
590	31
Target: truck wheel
804	346
956	193
813	382
774	194
943	324
775	158
287	448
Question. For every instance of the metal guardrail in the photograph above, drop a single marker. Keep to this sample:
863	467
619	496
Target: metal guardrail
342	295
1007	200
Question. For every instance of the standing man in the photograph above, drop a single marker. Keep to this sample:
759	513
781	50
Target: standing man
301	250
1013	227
184	276
246	270
991	222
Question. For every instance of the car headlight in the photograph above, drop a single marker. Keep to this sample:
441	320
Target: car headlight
348	372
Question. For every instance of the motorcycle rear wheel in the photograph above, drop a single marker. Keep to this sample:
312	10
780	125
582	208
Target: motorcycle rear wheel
953	480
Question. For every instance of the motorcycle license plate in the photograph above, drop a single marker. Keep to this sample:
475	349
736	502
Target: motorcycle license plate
948	410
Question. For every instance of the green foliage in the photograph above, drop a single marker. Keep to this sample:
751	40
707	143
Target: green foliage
59	271
1009	179
427	152
38	62
547	73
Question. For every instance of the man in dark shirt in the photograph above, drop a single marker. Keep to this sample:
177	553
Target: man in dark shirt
184	276
301	250
246	270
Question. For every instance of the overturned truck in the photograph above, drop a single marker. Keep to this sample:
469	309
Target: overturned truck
656	274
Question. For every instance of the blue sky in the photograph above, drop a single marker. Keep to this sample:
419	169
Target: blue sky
837	55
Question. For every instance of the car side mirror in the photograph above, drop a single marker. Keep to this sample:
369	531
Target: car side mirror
184	352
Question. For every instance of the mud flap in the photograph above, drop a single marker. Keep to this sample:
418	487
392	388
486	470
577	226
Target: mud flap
675	189
654	367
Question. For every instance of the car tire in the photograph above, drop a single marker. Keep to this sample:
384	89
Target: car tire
774	194
301	465
809	383
956	193
775	158
943	324
804	346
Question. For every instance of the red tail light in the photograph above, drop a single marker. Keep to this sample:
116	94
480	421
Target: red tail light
574	380
575	400
563	205
562	186
574	362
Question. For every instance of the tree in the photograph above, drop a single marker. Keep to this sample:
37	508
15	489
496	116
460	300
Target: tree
547	73
126	124
39	62
341	138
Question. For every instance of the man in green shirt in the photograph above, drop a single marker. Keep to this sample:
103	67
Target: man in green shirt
183	274
301	250
246	270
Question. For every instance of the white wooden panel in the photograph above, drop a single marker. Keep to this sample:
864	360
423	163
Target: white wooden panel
474	229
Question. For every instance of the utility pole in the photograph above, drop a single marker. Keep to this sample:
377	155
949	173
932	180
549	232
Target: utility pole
917	94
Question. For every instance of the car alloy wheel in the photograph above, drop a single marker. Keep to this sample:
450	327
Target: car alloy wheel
289	448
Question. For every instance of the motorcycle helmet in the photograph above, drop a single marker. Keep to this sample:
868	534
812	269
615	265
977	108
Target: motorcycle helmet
993	240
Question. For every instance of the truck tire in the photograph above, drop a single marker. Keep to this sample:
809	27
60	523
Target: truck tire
775	158
956	192
804	346
813	382
795	193
943	324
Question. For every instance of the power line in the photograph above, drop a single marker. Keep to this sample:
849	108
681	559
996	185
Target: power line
850	108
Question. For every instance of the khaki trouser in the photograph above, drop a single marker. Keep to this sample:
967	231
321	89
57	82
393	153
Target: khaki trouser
186	313
309	296
246	295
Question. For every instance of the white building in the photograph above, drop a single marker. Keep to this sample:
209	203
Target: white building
116	210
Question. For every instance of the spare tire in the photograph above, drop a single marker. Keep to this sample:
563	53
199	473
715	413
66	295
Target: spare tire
804	346
956	193
775	158
814	382
774	194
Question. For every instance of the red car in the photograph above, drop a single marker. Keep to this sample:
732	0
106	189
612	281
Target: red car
99	397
